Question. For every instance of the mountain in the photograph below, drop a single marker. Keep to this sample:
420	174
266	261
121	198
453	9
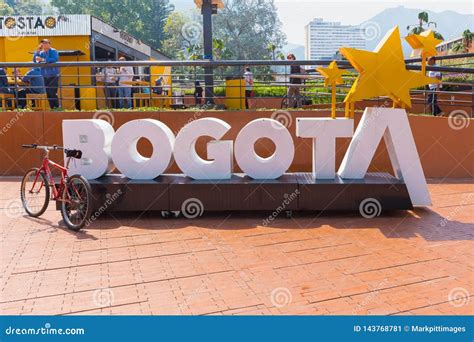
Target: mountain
450	24
296	49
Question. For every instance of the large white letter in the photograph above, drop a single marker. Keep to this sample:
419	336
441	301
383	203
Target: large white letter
93	138
324	132
393	125
126	156
256	166
220	152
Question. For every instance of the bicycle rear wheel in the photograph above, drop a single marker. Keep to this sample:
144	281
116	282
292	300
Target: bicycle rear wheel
76	205
285	102
34	192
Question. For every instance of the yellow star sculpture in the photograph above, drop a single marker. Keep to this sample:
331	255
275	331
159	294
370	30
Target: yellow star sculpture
383	72
332	74
423	44
332	77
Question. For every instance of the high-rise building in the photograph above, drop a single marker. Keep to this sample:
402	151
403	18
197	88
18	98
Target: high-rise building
323	39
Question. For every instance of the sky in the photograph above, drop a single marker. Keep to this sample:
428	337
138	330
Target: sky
295	14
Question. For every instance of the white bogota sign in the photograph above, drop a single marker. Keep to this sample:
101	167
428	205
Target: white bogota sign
103	148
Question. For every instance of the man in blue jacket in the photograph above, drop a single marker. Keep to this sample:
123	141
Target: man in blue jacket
50	74
35	82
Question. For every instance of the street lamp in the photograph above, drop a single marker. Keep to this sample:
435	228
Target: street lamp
208	8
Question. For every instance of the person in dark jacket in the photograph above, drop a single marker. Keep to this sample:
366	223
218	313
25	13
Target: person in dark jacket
4	88
198	93
47	54
294	93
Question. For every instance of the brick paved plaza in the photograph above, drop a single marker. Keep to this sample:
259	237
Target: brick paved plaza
417	262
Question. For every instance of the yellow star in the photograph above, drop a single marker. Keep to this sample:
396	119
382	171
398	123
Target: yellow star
424	43
383	72
332	74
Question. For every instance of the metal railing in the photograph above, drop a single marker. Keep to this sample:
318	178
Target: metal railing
82	86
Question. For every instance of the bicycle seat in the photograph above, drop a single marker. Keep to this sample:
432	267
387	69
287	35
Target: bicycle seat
73	153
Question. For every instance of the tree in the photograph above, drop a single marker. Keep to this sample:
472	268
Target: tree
423	19
272	47
24	7
175	42
144	19
458	48
248	27
467	39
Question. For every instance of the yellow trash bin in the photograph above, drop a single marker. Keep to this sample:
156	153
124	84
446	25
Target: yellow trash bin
235	93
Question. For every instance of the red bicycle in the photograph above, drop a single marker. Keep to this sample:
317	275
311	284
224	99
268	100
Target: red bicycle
74	192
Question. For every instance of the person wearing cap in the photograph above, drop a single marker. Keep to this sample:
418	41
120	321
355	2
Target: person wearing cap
46	54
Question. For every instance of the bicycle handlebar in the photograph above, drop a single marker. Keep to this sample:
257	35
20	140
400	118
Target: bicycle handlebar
54	147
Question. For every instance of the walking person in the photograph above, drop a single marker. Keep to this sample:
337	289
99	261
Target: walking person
293	94
110	86
125	76
434	88
47	54
248	76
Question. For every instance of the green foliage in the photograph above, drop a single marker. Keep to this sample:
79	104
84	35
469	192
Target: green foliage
423	20
23	7
249	28
144	19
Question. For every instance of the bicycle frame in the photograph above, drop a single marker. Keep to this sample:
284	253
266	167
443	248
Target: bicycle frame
45	167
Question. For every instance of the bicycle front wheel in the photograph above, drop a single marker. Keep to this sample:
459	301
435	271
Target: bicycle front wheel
76	205
34	192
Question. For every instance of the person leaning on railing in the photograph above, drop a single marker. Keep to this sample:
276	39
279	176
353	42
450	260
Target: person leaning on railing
294	96
46	54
